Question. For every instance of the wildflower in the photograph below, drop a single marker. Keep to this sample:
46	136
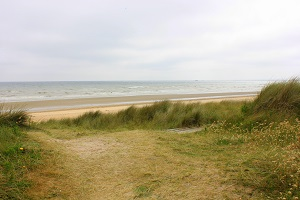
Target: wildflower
22	149
289	192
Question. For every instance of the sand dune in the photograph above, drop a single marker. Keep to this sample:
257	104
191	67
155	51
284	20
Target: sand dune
112	106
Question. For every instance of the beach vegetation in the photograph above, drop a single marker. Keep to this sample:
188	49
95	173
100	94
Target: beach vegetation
158	116
13	116
257	143
245	149
18	155
266	158
275	103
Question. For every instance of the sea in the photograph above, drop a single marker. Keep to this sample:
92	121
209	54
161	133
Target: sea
38	91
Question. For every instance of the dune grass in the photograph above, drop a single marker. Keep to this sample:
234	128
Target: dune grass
159	116
279	96
257	143
270	130
266	158
18	155
276	102
13	116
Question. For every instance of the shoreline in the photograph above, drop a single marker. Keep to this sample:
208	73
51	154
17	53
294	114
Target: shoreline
67	104
116	105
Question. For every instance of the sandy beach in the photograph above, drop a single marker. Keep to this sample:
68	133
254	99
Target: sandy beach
70	108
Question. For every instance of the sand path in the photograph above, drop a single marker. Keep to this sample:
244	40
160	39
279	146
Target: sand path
130	165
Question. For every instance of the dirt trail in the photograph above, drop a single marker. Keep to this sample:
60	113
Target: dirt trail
131	165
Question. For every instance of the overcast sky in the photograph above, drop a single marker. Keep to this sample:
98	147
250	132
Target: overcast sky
89	40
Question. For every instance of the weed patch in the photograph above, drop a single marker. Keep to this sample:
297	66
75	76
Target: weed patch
18	157
269	153
143	191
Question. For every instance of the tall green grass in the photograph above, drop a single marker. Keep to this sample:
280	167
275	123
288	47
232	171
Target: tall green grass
264	134
270	131
276	102
280	96
160	115
18	155
13	116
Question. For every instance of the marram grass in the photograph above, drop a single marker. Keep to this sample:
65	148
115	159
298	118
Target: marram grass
18	155
264	157
281	97
159	116
268	156
13	116
276	102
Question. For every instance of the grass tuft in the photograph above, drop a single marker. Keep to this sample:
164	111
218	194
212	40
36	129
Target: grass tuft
276	102
18	155
13	116
281	96
160	115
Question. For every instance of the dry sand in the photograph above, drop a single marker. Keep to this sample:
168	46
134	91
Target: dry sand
77	111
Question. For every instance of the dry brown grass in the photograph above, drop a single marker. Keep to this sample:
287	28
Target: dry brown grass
50	180
130	165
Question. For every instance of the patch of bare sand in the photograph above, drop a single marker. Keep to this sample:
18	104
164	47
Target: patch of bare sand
89	147
129	165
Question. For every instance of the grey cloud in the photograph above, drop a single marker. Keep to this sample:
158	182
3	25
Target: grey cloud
135	38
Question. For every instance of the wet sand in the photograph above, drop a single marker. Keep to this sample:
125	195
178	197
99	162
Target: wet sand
58	109
63	104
